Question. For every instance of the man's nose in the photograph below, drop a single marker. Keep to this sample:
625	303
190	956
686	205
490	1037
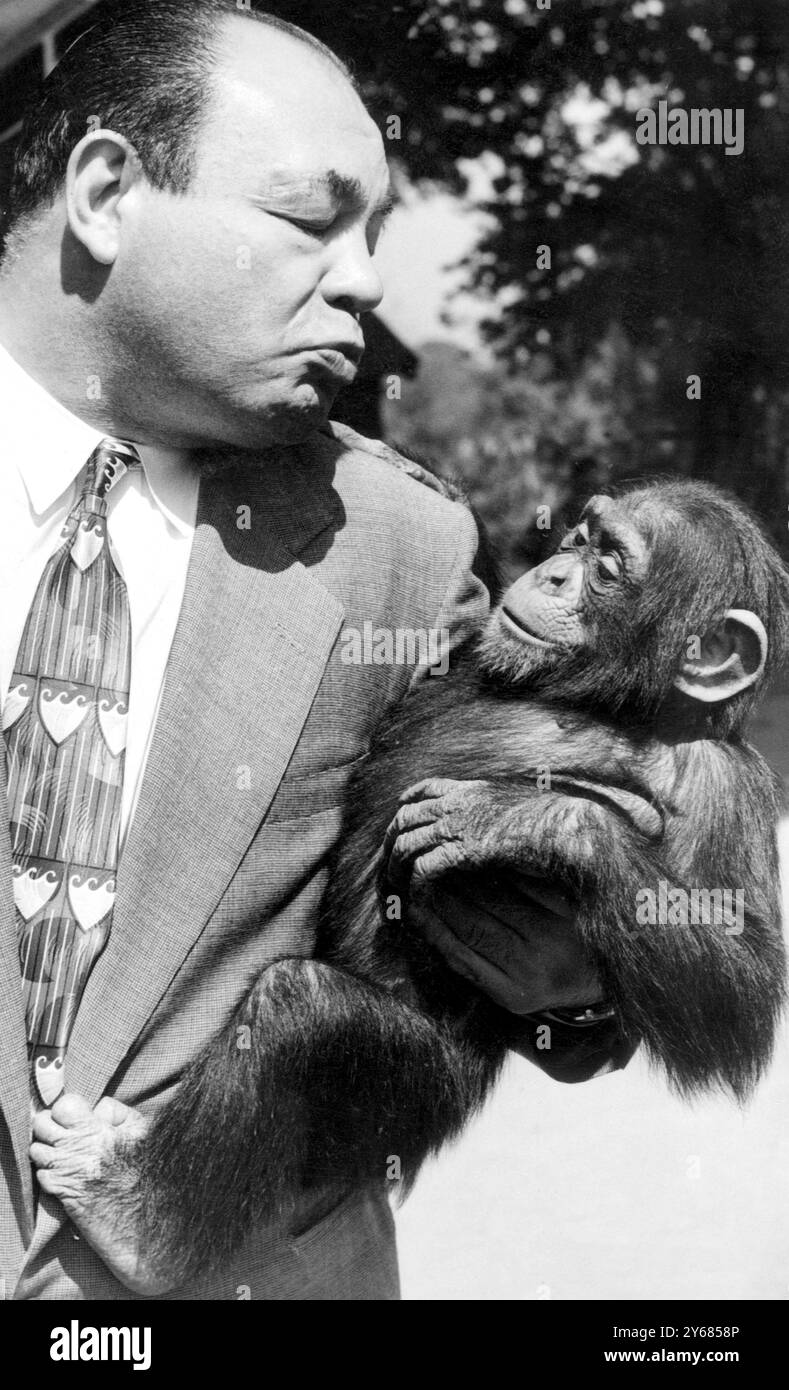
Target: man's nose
352	280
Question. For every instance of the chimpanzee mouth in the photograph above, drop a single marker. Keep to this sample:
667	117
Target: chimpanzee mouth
523	633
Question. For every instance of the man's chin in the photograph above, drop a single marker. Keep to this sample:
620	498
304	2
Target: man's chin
286	422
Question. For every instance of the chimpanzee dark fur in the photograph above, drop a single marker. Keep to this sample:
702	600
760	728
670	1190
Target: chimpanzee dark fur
375	1051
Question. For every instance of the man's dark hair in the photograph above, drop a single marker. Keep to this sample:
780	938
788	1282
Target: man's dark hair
144	68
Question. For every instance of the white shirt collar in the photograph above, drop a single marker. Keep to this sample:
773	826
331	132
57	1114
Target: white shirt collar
172	483
50	447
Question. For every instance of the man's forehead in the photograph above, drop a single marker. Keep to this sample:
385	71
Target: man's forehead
292	121
270	73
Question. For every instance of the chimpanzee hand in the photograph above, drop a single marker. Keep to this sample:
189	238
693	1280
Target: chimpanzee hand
443	825
74	1145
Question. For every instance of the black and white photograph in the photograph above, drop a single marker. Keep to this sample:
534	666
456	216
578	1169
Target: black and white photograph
394	614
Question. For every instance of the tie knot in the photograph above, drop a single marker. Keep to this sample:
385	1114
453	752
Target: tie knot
108	463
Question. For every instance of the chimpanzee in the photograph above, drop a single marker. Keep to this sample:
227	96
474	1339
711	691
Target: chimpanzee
595	738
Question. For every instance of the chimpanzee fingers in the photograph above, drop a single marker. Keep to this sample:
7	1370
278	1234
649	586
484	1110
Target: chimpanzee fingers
428	787
410	846
436	862
436	787
414	814
409	820
47	1130
72	1110
437	821
115	1112
42	1155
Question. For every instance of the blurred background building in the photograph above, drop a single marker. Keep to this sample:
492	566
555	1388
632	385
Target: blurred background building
552	286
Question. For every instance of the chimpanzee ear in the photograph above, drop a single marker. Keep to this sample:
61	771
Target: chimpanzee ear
731	657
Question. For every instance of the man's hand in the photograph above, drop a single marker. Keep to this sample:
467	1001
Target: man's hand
465	851
74	1145
511	936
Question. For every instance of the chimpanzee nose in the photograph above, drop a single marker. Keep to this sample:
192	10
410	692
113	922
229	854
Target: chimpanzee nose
561	574
557	570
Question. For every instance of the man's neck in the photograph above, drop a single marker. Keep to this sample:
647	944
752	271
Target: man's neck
39	332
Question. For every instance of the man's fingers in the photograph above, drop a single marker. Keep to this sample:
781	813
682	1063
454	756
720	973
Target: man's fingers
70	1110
536	890
501	901
474	968
521	956
478	925
534	912
463	961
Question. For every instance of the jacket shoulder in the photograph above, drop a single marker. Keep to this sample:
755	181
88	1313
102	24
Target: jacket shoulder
369	466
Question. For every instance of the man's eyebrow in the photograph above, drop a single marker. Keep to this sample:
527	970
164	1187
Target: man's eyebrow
343	190
349	190
387	205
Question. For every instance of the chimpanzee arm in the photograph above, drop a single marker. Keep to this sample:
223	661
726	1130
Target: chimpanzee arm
703	1001
318	1082
444	825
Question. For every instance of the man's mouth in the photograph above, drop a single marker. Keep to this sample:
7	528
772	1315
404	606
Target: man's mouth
339	359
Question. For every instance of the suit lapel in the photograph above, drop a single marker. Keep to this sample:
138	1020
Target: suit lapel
14	1075
254	635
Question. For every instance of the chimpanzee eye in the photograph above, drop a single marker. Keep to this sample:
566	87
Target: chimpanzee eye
609	567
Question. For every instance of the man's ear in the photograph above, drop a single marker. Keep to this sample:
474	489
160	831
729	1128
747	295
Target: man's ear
732	656
101	169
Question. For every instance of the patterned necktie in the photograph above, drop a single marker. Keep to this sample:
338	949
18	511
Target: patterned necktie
65	729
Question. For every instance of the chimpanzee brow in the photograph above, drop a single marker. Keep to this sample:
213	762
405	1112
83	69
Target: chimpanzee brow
613	539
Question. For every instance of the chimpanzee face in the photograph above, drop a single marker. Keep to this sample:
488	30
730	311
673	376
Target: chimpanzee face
560	603
633	607
553	621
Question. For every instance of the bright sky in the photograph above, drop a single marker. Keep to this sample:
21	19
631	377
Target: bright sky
425	237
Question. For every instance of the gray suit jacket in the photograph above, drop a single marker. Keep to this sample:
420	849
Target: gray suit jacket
260	726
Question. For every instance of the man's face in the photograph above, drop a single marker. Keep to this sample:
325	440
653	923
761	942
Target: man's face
241	297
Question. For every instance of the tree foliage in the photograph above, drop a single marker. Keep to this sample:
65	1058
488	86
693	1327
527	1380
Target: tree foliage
683	248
